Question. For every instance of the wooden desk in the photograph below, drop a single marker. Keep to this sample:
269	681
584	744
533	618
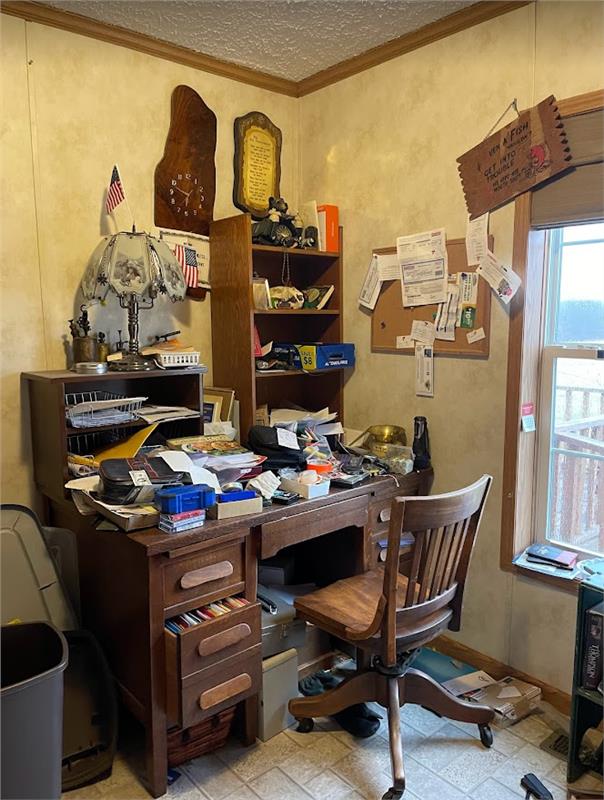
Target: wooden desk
131	583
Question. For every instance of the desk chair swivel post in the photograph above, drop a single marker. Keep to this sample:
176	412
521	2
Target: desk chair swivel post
388	616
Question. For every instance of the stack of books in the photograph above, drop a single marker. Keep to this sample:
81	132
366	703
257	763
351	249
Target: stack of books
176	523
196	616
591	677
553	556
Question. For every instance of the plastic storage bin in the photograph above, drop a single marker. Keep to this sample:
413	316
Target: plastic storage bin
179	499
34	657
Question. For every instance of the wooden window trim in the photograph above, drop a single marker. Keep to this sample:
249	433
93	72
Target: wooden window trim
524	340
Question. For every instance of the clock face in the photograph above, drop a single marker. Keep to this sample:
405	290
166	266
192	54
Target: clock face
186	195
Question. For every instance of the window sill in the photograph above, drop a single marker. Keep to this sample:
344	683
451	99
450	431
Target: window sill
569	586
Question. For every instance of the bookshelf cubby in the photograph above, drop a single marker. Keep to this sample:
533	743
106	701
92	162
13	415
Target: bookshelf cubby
234	261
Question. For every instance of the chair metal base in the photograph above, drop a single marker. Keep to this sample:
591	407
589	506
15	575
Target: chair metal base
392	692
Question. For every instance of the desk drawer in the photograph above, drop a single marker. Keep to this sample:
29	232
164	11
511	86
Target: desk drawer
379	516
225	683
205	644
312	523
204	577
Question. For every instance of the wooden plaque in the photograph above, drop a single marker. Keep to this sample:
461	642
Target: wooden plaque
520	156
391	319
257	163
185	178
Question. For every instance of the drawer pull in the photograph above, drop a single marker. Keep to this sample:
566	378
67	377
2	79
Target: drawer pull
224	691
213	572
219	641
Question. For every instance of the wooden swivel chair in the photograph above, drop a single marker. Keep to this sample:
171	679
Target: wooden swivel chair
388	616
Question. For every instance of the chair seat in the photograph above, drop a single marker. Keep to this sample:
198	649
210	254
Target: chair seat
350	603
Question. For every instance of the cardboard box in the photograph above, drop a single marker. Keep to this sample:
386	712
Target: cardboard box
127	521
236	508
326	356
279	685
510	699
307	492
329	234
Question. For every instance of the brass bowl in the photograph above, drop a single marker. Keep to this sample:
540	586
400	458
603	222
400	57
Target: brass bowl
378	436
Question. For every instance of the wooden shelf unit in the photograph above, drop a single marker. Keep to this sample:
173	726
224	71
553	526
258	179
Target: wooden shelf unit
234	260
586	706
53	436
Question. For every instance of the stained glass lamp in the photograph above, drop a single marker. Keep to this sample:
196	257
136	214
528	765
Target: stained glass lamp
138	268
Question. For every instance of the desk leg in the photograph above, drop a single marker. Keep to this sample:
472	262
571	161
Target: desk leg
156	726
156	758
246	721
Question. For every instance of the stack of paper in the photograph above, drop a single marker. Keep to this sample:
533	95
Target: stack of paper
322	422
151	413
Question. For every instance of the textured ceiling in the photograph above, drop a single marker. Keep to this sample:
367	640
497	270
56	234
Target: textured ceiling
289	38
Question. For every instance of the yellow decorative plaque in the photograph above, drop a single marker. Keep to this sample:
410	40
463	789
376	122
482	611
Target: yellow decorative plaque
257	163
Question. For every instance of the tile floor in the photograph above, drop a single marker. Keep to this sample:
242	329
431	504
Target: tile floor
444	760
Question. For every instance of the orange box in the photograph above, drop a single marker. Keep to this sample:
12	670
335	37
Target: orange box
329	228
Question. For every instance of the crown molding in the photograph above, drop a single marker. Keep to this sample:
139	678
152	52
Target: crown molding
447	26
85	26
32	11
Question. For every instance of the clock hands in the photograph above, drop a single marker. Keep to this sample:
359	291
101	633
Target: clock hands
186	194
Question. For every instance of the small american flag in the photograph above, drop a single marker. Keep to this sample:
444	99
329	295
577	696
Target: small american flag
115	192
187	258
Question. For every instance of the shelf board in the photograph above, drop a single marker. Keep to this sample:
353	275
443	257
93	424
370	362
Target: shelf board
287	373
328	312
590	694
297	251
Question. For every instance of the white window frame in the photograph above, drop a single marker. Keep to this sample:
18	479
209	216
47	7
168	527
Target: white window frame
546	404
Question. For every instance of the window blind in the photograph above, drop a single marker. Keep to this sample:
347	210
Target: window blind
577	195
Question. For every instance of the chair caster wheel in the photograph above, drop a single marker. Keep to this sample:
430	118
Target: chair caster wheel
393	794
486	735
305	725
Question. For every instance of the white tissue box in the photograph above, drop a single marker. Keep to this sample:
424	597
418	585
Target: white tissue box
308	491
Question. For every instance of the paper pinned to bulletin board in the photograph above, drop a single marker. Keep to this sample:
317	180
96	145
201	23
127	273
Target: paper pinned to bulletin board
391	320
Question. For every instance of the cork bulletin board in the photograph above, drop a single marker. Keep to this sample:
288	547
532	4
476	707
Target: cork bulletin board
391	319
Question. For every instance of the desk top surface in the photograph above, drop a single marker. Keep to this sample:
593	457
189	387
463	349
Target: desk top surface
156	541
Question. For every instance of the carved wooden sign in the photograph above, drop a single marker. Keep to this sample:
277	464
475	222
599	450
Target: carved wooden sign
520	156
185	178
257	163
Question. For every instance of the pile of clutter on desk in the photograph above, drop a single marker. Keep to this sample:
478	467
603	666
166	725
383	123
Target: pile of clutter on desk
177	483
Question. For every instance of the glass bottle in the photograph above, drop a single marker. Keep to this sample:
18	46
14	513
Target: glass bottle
421	443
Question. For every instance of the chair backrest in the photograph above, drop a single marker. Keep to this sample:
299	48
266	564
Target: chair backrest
445	528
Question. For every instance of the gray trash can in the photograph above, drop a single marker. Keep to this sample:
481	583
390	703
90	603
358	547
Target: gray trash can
34	657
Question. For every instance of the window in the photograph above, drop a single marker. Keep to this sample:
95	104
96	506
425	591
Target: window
553	481
569	507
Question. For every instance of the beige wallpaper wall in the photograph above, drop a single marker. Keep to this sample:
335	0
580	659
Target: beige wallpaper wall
382	146
71	107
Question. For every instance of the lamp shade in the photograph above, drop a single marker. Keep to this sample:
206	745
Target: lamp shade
133	264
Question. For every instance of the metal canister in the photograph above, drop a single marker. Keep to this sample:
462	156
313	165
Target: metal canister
84	349
102	351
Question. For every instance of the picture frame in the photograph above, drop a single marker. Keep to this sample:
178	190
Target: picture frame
223	399
212	406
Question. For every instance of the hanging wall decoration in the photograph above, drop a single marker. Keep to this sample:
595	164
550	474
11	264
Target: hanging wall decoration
185	178
516	158
257	163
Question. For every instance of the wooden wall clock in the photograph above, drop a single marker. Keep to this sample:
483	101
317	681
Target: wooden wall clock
185	178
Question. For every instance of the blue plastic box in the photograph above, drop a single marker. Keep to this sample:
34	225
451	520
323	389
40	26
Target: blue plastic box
178	499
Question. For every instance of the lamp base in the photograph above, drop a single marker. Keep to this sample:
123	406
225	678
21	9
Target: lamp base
132	362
